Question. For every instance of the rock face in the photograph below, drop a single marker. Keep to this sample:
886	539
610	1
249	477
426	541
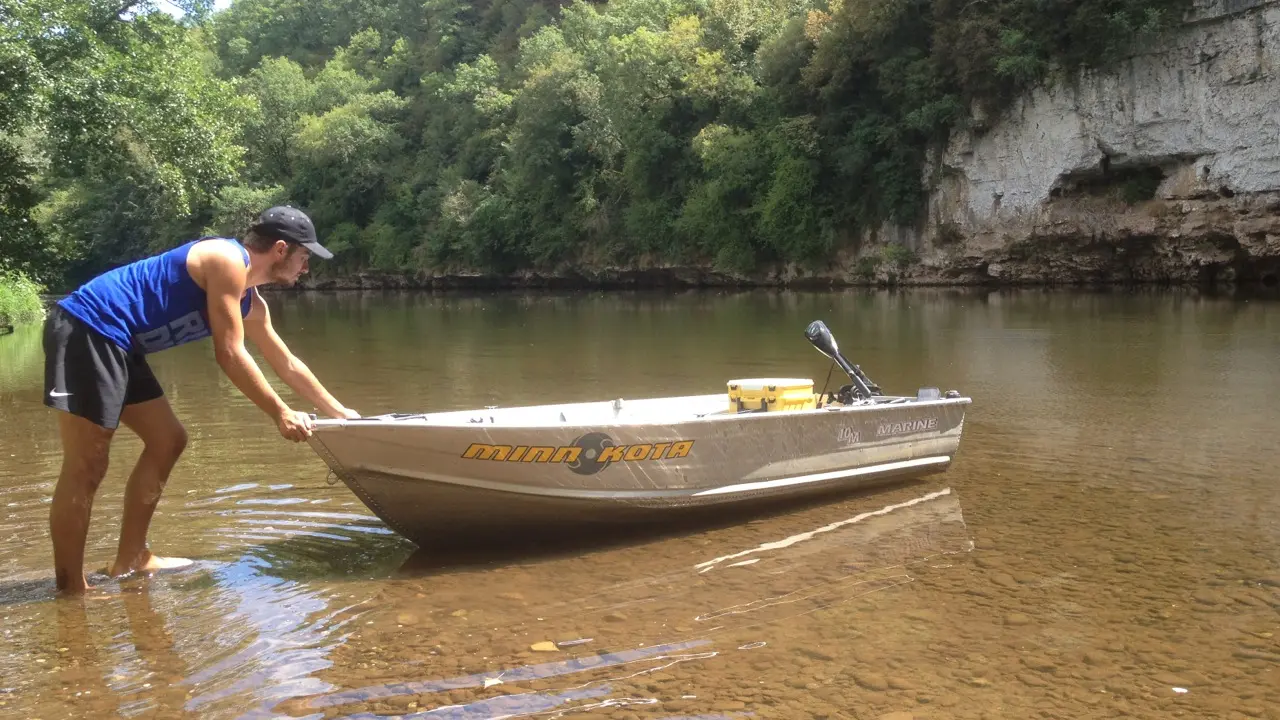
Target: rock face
1166	167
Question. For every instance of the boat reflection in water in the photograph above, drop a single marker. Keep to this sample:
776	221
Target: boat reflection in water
498	631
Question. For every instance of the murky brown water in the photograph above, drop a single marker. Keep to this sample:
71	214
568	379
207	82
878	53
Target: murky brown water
1106	544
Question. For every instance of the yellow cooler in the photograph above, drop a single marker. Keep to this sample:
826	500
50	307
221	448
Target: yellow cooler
771	394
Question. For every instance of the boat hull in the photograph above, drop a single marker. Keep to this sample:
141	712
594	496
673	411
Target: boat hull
432	476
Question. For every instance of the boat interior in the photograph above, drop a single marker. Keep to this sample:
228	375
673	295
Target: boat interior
622	411
743	396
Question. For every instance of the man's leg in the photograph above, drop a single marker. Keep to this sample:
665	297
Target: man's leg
85	447
85	379
163	439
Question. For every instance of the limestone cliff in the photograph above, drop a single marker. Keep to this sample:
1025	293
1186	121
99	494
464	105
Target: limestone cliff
1166	167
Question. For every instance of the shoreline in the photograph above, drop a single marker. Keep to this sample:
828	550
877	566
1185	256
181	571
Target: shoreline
681	282
1239	292
1234	291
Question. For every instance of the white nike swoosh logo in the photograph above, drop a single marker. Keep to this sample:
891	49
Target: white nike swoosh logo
55	393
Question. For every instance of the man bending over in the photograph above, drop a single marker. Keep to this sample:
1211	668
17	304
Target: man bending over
96	341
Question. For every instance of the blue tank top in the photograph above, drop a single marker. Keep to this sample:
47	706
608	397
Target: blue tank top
152	304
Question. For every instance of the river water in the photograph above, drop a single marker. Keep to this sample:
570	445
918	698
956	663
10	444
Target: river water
1107	542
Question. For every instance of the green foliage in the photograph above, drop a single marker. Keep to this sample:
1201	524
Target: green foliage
236	207
498	135
283	94
19	298
1001	47
867	267
900	256
21	356
1140	185
1129	184
119	132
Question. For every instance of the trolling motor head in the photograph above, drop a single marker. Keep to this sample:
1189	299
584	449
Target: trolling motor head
820	335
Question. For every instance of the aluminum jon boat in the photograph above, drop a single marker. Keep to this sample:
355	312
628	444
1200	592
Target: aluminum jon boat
761	441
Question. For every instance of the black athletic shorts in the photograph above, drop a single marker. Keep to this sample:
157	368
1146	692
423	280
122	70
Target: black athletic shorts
88	375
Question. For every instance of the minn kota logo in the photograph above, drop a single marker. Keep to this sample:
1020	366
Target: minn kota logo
593	446
588	455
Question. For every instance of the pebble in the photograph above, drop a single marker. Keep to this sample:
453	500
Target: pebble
1257	655
1095	659
871	681
814	654
1097	673
829	694
1039	664
1204	597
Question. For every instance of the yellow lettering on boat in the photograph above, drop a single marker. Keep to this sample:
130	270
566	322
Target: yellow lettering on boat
481	451
567	454
575	454
680	449
539	454
612	454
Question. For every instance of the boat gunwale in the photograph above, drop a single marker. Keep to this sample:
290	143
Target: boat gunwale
423	420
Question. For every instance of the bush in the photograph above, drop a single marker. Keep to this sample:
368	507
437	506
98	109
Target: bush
19	299
900	256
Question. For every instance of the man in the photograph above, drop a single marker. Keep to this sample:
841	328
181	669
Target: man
96	341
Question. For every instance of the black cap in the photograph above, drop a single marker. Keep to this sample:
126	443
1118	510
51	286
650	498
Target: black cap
291	225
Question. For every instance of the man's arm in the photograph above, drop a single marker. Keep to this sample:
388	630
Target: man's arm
288	366
224	286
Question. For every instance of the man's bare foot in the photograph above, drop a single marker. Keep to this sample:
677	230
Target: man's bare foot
147	562
68	584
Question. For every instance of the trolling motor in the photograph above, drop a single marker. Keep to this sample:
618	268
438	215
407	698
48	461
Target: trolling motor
862	387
